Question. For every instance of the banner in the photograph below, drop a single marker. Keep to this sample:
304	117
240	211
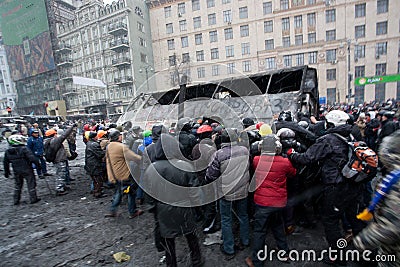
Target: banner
377	79
26	37
88	81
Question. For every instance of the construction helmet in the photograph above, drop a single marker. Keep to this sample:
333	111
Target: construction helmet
204	129
17	140
50	132
337	117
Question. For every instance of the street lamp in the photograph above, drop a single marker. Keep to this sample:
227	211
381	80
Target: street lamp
349	76
146	69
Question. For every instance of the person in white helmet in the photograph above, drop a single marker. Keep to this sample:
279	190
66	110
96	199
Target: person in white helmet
339	195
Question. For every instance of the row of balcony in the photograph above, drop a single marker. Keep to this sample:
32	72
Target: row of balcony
64	48
65	62
119	45
121	81
118	28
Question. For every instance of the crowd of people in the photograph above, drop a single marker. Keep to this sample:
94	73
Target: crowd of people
282	175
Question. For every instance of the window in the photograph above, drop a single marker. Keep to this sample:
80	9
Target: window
270	63
140	26
284	4
197	22
143	58
244	30
330	35
311	2
200	55
359	95
312	38
269	44
312	57
228	33
195	5
142	42
331	74
381	28
285	24
330	15
380	69
382	6
198	39
247	66
380	92
268	26
171	44
298	22
331	95
229	51
299	59
381	49
212	19
230	68
210	3
286	41
359	51
201	72
182	25
226	1
359	71
267	8
213	36
360	10
245	48
359	31
227	15
167	11
243	12
215	70
185	57
287	61
184	41
311	19
169	28
331	55
214	53
297	2
172	60
298	39
181	8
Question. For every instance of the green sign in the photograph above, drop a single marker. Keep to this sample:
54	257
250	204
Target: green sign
26	37
377	79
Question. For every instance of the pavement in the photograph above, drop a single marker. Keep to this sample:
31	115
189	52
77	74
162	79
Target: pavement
71	230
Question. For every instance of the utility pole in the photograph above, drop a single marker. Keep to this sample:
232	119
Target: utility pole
349	76
182	96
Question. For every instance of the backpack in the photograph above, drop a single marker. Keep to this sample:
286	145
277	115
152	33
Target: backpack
362	163
49	152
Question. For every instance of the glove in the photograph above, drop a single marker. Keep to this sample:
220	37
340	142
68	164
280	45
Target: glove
7	175
290	152
74	125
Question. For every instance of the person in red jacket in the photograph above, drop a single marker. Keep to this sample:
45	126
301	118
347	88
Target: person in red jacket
270	197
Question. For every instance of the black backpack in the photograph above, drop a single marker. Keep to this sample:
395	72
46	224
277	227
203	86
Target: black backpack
49	151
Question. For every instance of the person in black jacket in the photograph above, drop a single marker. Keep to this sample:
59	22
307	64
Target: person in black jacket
388	126
339	196
173	198
94	166
185	137
21	158
370	133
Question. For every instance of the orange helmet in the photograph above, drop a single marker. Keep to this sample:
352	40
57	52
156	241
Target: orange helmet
50	132
86	127
258	125
204	128
101	133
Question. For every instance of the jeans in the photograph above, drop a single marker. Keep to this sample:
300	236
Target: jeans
264	217
42	164
119	187
226	209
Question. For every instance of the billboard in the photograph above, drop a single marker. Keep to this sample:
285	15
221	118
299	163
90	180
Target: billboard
26	37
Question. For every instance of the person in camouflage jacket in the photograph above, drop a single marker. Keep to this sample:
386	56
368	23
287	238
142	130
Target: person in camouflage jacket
383	233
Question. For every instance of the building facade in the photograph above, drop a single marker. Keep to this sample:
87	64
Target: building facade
343	39
8	94
111	43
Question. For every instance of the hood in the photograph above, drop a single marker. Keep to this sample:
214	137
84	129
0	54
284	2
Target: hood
156	132
167	147
343	130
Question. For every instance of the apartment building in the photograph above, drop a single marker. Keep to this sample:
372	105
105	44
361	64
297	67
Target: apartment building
8	93
111	43
343	39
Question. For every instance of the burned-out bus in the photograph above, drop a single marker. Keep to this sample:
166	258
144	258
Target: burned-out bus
259	96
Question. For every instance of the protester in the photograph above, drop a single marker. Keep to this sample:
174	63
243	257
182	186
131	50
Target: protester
35	144
94	157
21	159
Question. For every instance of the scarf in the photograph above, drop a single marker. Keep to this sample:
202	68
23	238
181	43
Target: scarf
380	193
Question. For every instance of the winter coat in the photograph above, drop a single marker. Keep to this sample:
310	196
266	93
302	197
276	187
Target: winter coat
302	135
94	158
318	129
188	141
56	143
175	213
271	174
230	165
118	157
36	145
330	151
201	155
387	128
21	158
384	231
